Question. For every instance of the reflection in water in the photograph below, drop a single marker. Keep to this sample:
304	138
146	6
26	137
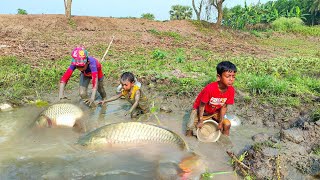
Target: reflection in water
51	153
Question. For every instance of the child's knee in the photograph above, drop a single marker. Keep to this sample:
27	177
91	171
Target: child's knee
194	116
193	120
83	92
226	123
83	95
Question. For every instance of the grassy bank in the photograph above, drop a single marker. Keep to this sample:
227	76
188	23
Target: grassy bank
286	72
290	81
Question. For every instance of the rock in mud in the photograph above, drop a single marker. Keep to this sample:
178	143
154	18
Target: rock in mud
294	135
260	137
165	109
6	107
270	152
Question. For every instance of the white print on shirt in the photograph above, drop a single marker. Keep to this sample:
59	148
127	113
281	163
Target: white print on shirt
217	101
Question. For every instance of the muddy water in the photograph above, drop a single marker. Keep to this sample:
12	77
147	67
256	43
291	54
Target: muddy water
27	153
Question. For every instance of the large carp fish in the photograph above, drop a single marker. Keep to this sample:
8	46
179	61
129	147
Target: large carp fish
59	115
131	133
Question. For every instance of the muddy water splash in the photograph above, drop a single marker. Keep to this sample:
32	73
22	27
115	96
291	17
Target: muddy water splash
52	153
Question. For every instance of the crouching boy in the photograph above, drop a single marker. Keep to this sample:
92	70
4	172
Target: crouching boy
212	101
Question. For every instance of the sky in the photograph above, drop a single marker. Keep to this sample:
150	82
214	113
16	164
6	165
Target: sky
104	8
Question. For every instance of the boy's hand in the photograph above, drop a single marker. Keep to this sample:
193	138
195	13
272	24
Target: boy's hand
220	127
101	102
89	102
200	124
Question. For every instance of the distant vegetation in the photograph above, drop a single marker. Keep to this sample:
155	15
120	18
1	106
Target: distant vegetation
22	11
148	16
179	12
249	16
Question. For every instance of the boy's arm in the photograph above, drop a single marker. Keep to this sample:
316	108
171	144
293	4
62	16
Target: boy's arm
136	102
113	98
223	111
201	111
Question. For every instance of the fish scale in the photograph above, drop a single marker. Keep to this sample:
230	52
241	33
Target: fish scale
65	113
131	132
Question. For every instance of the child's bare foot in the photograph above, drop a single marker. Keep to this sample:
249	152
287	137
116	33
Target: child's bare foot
189	133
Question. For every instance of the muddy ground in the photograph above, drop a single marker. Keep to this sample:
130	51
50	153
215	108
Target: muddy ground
37	38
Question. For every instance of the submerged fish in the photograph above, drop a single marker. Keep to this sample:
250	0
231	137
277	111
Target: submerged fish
131	133
62	114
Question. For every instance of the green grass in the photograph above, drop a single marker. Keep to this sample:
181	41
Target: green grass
280	81
259	146
290	81
315	116
174	35
316	151
20	79
291	46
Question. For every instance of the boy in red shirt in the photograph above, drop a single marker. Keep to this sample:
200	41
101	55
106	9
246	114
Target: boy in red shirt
212	101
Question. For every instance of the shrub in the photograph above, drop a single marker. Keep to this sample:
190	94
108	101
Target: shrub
158	54
148	16
286	24
22	11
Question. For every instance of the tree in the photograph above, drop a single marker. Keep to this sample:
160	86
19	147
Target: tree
198	12
314	9
67	8
218	5
22	11
179	12
148	16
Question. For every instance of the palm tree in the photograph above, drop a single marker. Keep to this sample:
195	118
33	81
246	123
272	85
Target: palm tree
314	9
179	12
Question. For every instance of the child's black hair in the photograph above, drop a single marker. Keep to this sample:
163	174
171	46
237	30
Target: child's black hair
226	66
127	76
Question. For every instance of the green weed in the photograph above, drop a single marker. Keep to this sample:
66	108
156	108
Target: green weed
148	16
316	151
176	36
258	146
158	54
22	11
72	23
210	175
315	115
180	55
203	26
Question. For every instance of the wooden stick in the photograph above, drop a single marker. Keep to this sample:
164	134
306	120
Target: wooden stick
278	167
231	154
102	59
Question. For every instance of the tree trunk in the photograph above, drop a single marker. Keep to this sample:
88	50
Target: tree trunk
198	13
218	5
220	13
67	8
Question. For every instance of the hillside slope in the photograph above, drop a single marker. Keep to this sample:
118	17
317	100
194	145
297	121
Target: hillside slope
52	36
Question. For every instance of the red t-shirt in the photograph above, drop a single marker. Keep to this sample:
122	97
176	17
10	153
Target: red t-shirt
213	98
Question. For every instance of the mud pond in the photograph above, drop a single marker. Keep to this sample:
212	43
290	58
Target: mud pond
52	153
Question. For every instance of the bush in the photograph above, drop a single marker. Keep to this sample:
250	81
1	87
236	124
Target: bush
287	24
158	54
22	11
294	25
306	30
148	16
